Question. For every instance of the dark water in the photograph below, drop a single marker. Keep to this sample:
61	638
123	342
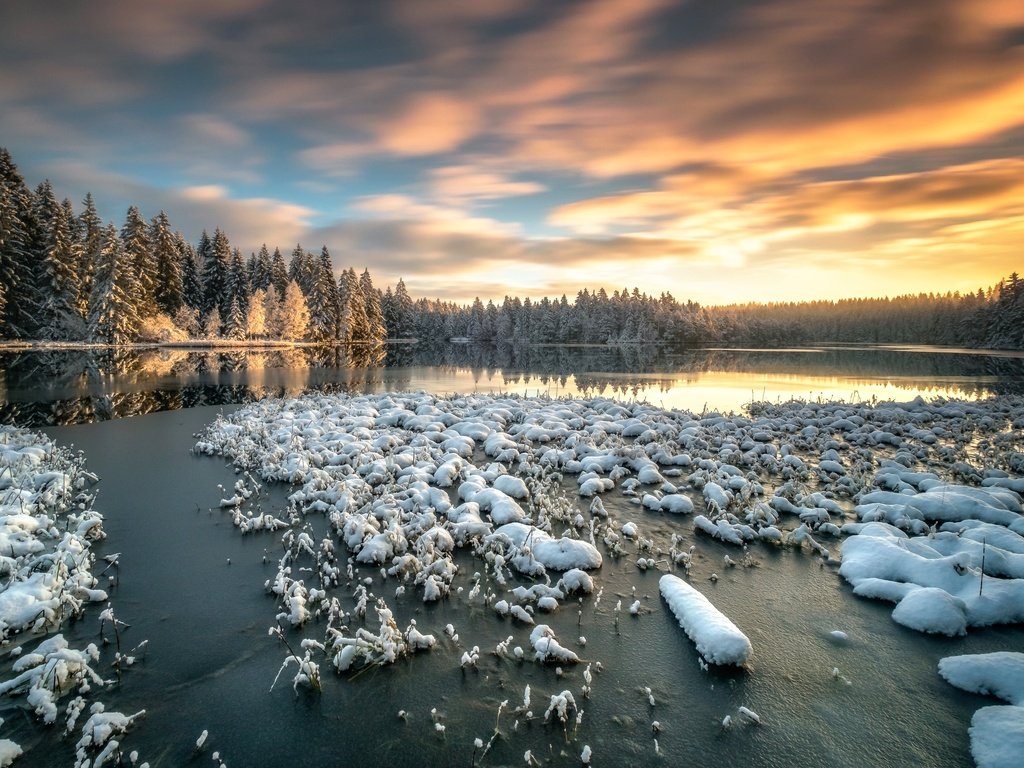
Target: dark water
40	388
210	662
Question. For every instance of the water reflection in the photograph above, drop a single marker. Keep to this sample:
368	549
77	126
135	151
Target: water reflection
75	386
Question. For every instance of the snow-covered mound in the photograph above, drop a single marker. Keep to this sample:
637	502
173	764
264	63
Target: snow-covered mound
937	578
999	674
47	528
47	525
997	733
717	639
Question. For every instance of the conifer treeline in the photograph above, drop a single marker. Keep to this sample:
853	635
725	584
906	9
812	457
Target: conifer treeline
67	277
985	319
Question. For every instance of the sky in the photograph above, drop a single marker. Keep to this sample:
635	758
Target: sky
722	150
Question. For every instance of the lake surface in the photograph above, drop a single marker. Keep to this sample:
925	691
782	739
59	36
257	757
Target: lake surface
192	586
69	387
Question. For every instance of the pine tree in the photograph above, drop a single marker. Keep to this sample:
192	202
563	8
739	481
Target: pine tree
252	269
324	302
354	325
387	309
237	286
19	262
293	323
58	260
112	307
168	290
374	312
262	274
278	274
191	286
403	311
215	256
91	238
139	251
234	322
80	310
303	269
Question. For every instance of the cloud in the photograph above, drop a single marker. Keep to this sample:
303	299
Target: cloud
466	184
209	128
429	123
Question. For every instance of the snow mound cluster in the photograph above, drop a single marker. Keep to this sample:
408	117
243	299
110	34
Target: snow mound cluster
47	528
917	496
45	535
962	571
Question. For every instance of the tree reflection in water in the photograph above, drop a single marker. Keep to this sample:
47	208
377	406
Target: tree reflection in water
75	386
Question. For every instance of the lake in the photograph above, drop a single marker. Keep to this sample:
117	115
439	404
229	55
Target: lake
192	586
70	387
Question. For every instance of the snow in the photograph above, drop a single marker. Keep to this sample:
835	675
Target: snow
997	732
935	578
406	480
9	752
999	674
717	639
997	737
45	536
547	648
561	554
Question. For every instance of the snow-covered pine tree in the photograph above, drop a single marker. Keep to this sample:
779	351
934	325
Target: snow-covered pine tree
214	256
302	269
354	326
234	322
139	251
404	320
278	275
191	286
168	290
237	287
17	289
24	245
324	302
221	249
262	273
387	310
113	316
374	313
77	327
293	322
91	239
252	269
58	257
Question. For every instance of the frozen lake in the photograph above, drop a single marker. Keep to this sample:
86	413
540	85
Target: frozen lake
194	588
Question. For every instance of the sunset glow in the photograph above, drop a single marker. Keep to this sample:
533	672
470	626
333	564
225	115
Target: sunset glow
725	152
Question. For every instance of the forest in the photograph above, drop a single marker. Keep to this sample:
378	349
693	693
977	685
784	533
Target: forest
67	276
